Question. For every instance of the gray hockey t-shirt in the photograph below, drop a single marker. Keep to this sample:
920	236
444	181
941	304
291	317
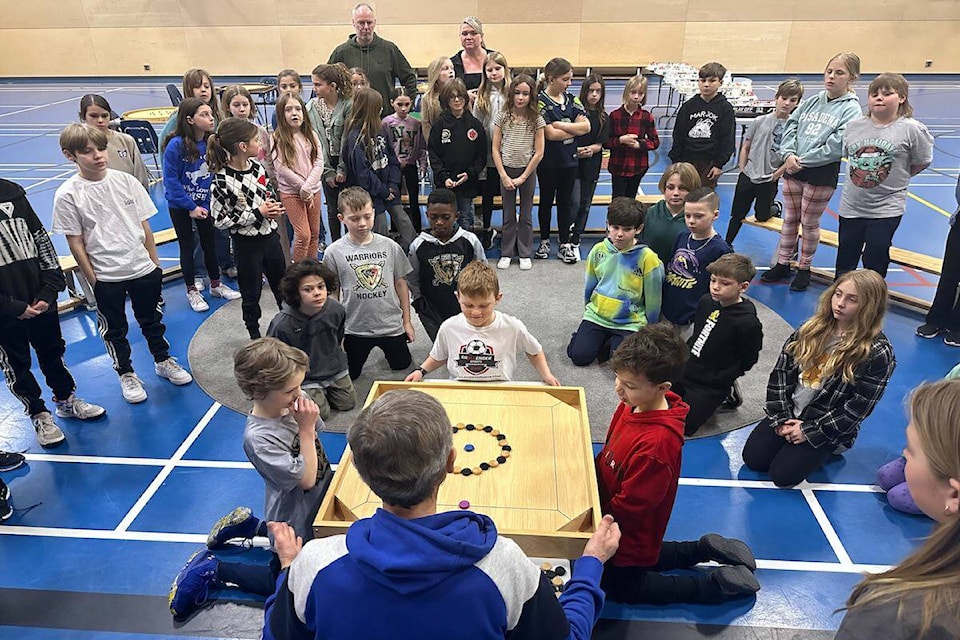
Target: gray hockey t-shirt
367	289
764	134
879	158
273	447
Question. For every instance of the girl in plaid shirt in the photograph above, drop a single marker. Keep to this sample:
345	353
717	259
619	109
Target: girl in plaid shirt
830	375
633	132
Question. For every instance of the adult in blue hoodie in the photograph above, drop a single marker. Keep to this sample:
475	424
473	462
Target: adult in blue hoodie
410	572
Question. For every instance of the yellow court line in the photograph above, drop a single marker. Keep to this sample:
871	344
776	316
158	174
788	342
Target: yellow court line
930	204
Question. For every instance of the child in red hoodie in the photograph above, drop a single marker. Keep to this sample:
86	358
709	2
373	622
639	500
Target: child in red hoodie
638	469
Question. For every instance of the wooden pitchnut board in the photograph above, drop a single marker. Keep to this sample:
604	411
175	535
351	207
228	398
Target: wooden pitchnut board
544	496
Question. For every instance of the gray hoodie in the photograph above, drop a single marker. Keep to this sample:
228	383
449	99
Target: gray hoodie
814	132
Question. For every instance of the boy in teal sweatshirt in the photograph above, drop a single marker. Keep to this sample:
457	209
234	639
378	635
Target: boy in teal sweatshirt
622	291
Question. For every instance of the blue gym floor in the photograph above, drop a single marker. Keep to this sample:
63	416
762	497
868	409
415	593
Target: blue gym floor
103	523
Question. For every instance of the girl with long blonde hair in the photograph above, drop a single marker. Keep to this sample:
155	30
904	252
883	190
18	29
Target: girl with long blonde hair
439	73
830	375
920	597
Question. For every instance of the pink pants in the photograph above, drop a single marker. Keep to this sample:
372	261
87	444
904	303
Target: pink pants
803	204
305	218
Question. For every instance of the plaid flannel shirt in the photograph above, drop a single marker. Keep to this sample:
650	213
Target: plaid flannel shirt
833	417
626	161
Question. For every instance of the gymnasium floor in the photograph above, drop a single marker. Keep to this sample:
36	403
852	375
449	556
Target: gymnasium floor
103	523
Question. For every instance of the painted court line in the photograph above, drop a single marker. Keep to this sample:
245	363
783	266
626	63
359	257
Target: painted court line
766	484
167	468
827	528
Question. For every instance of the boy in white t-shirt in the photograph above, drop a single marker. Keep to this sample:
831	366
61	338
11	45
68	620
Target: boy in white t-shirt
480	343
104	215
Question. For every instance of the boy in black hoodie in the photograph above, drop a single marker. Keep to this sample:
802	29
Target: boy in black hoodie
312	320
30	279
458	150
705	127
726	342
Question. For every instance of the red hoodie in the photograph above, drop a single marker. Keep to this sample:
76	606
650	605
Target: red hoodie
638	469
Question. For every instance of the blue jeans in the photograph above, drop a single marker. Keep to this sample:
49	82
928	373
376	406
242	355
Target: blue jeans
465	213
587	342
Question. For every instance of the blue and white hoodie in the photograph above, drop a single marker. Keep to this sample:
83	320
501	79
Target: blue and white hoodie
814	132
440	576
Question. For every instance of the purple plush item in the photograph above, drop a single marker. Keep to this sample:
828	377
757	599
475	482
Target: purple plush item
900	499
891	474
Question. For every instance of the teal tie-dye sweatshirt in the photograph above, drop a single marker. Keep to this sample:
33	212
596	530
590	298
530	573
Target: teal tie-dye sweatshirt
622	289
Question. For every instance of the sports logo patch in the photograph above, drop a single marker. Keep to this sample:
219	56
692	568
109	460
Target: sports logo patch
369	275
472	134
476	358
446	267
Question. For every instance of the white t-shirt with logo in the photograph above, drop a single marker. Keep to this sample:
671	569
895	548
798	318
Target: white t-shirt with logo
483	353
109	214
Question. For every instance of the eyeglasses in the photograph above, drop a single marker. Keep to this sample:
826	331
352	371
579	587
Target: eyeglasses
458	96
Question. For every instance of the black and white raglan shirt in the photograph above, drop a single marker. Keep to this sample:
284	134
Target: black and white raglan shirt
235	199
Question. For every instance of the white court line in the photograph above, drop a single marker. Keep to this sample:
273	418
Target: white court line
766	484
167	468
59	176
828	529
199	538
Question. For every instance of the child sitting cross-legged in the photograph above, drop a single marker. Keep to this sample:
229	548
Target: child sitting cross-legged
623	283
281	442
313	322
481	343
726	342
638	470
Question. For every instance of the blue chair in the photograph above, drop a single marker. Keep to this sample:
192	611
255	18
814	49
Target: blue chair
175	96
146	137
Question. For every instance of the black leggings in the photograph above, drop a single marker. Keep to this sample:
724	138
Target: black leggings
556	183
411	179
646	585
183	225
748	192
787	464
490	188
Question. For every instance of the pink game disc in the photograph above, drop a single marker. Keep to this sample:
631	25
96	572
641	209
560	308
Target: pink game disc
464	504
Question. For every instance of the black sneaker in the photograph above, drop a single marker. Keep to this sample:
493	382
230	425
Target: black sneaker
543	251
951	338
776	273
5	509
734	399
801	281
728	551
735	581
10	461
927	330
777	209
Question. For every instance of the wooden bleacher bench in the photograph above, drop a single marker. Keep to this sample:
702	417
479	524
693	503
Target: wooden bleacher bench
79	289
903	257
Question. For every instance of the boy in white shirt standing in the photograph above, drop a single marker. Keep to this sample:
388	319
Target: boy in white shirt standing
104	214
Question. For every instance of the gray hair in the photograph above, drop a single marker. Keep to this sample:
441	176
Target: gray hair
400	446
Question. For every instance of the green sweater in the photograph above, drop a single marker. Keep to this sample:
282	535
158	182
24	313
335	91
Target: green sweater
660	230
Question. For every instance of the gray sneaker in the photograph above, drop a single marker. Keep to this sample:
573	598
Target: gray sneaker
48	433
74	407
132	388
543	251
172	371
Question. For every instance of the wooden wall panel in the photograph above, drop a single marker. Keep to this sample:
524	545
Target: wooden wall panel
45	52
125	51
235	50
414	12
882	46
423	42
131	13
523	49
532	13
43	14
223	13
322	12
834	11
739	10
629	44
752	47
628	12
306	47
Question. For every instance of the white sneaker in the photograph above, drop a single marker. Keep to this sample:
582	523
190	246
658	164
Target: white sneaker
172	371
225	292
132	389
526	264
74	407
197	303
48	433
198	283
575	249
503	263
566	254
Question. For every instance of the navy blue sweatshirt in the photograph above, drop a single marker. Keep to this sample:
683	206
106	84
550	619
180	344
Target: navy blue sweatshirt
379	174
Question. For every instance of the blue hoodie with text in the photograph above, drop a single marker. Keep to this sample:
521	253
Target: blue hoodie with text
439	576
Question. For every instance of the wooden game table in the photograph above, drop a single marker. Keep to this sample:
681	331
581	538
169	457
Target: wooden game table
543	494
153	115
